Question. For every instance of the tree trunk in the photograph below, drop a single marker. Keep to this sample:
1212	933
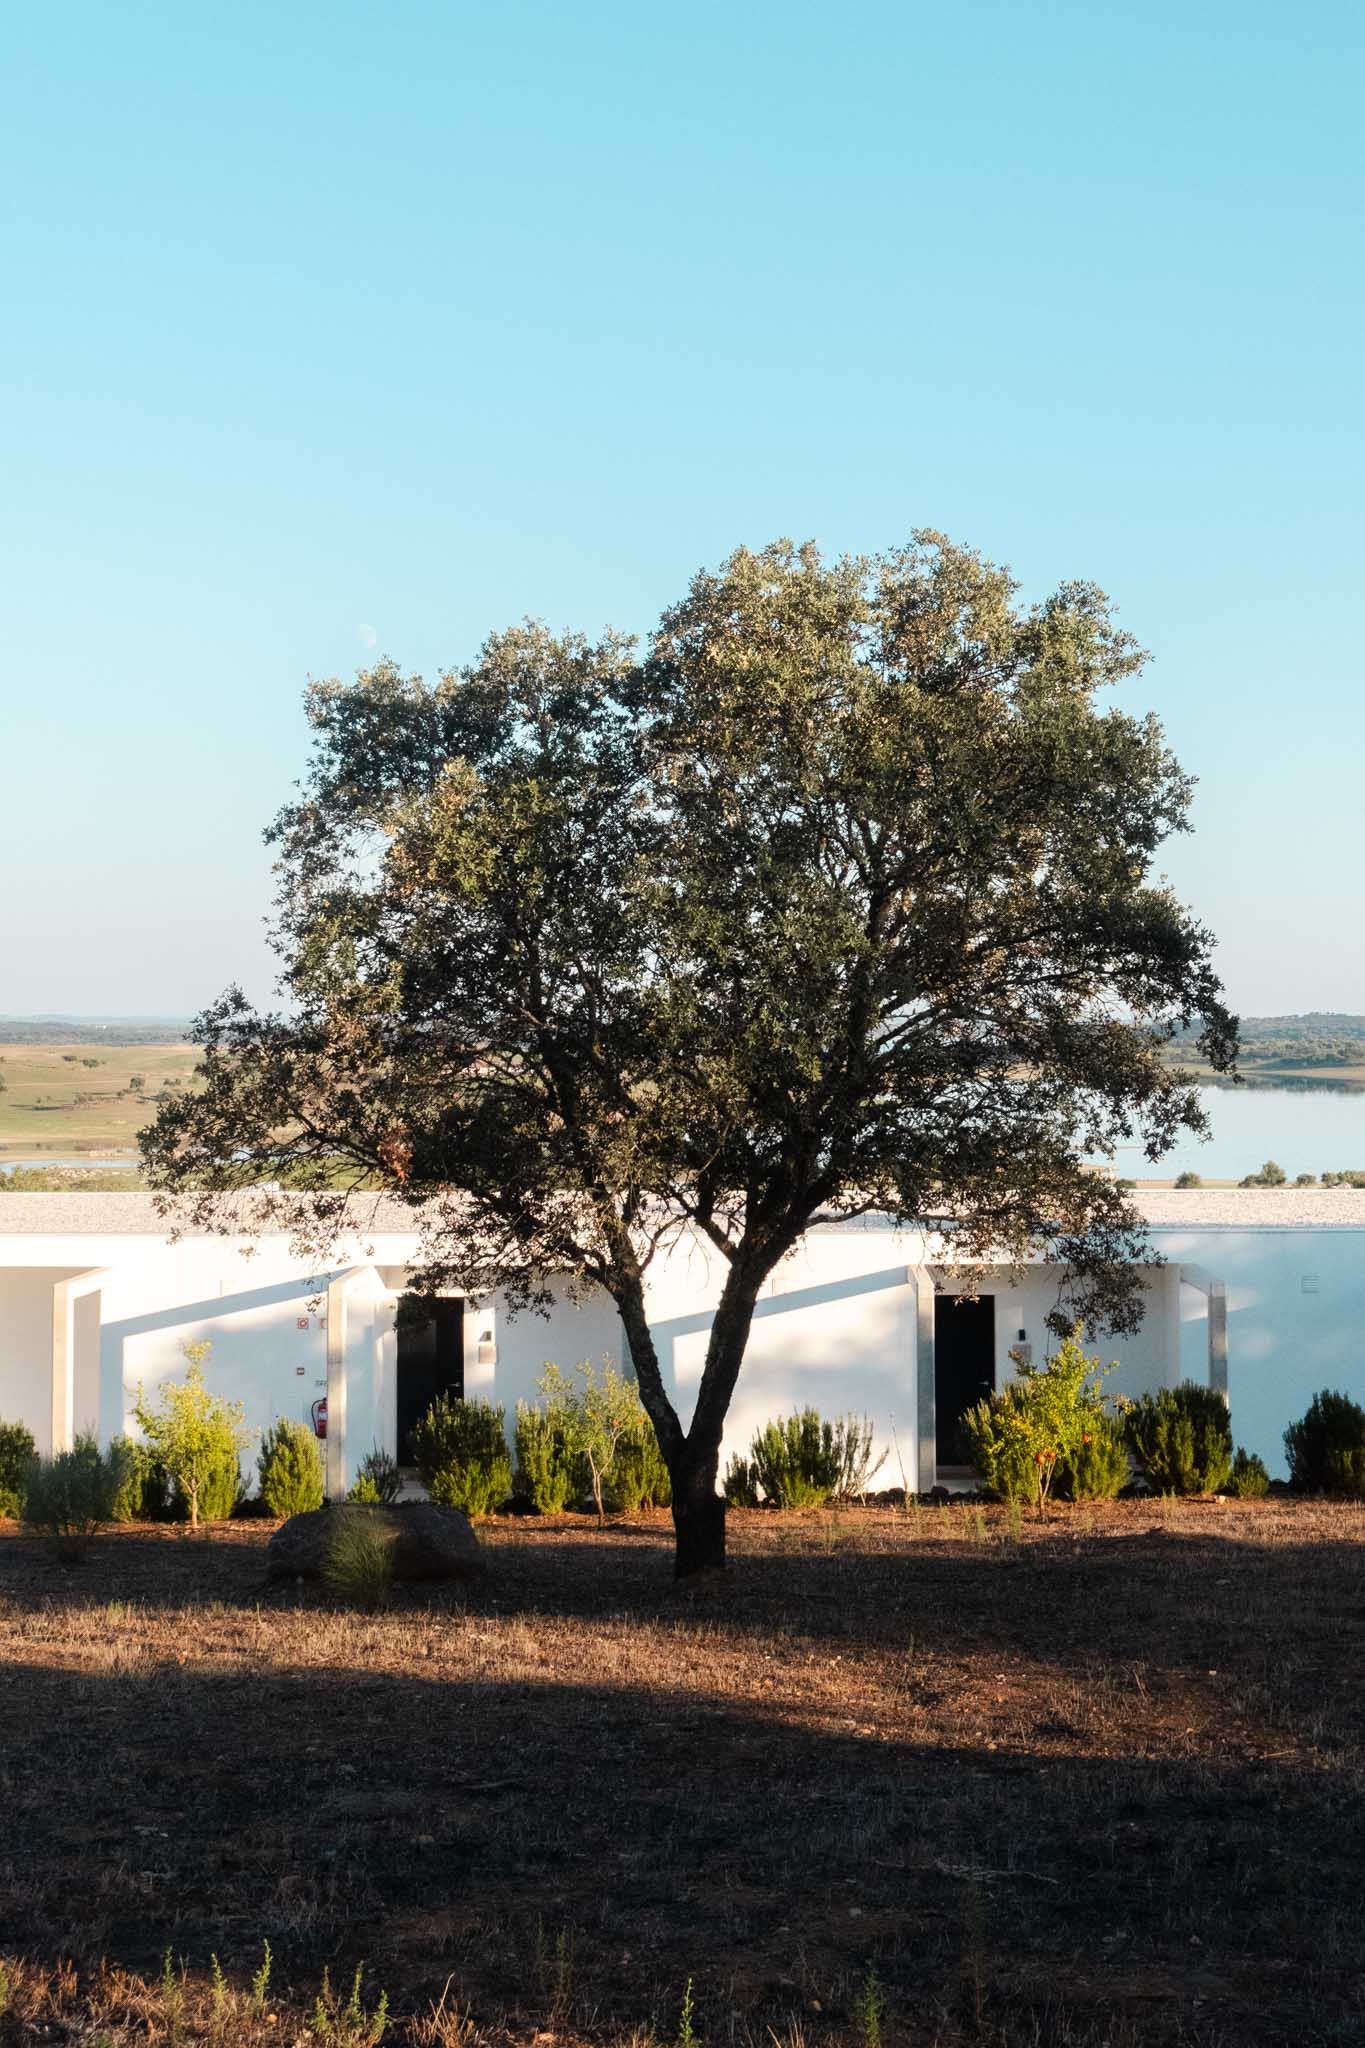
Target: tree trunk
698	1516
698	1510
693	1459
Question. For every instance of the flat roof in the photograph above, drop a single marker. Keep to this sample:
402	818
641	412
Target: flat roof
135	1215
1252	1208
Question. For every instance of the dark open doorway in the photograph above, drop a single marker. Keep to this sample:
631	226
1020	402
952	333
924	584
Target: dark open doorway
964	1369
430	1359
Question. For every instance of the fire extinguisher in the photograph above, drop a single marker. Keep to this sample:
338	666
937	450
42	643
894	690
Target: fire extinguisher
320	1418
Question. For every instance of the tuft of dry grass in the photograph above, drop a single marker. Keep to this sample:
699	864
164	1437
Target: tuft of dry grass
1095	1783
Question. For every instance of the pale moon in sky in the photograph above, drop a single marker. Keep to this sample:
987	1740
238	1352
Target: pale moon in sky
368	636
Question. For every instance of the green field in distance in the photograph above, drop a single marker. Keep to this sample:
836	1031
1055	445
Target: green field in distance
62	1100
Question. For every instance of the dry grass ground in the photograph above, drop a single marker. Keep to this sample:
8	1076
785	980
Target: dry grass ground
1095	1783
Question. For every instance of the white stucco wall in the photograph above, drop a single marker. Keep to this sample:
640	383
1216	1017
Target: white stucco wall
835	1327
1296	1322
26	1352
588	1332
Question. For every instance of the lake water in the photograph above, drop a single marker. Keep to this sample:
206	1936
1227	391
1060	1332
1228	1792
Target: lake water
1308	1127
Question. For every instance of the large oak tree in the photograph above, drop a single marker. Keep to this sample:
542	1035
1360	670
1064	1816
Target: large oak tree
837	899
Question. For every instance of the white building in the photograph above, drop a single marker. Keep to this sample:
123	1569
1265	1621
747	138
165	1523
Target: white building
1262	1292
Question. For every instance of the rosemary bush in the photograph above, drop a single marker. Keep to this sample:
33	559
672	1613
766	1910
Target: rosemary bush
801	1461
383	1475
70	1496
1181	1439
290	1468
145	1490
460	1449
1326	1447
1098	1468
639	1477
17	1452
545	1460
740	1484
1248	1479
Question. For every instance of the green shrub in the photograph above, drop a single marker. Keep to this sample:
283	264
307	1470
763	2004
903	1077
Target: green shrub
740	1485
290	1469
639	1477
1098	1468
1189	1180
197	1437
1047	1431
545	1459
158	1502
997	1447
143	1495
383	1475
460	1450
70	1496
222	1491
358	1566
1181	1439
598	1417
17	1452
338	2023
801	1461
1248	1479
1326	1449
794	1460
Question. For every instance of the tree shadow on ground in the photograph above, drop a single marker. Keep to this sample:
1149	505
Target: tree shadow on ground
578	1851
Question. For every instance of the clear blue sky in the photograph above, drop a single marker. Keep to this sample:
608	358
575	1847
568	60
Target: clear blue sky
335	326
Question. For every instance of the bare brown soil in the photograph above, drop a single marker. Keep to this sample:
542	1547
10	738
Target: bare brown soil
1098	1782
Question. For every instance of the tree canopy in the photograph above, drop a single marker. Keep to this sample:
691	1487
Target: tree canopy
835	898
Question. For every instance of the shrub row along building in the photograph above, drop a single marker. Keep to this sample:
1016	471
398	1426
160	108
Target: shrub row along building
1258	1292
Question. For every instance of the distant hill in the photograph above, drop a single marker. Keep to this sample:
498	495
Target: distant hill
1310	1024
112	1030
1315	1038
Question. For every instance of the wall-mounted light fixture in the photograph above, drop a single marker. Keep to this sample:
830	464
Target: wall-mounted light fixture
488	1350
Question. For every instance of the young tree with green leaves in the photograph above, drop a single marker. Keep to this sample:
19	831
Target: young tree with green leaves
196	1435
595	1418
835	900
1043	1422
